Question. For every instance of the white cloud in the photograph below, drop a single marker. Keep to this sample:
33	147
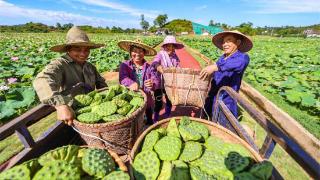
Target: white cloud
51	17
122	7
285	6
199	8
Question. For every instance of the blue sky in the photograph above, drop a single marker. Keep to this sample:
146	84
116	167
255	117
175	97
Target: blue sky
126	13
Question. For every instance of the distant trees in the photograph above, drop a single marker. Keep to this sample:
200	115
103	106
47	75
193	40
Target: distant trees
161	20
175	26
179	25
246	28
144	24
39	27
211	23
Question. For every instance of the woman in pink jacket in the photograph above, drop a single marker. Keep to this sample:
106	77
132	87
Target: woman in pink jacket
165	58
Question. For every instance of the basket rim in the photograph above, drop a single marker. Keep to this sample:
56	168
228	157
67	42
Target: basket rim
140	139
181	70
118	122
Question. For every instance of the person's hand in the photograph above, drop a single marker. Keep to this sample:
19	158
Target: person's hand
65	114
207	71
148	83
160	69
134	87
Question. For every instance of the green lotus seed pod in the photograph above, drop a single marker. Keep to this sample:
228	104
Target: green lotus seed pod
168	148
89	118
146	165
83	100
97	163
117	175
172	129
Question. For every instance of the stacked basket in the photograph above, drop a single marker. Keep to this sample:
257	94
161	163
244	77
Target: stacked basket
120	133
185	87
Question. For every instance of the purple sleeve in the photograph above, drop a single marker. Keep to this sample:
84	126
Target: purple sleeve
124	75
237	64
156	60
151	73
155	78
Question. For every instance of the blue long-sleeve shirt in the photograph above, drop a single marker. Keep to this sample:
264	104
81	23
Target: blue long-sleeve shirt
230	73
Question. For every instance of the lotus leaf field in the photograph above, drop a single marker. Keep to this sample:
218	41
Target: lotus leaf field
285	70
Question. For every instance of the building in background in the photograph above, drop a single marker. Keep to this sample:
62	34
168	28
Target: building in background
200	29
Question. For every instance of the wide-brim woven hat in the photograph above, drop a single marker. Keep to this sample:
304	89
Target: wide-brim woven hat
172	40
75	37
246	42
126	44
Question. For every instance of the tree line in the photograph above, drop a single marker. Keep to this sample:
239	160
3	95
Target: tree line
43	28
283	31
160	23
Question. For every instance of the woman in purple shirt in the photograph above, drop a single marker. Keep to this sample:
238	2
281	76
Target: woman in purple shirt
136	73
165	58
229	68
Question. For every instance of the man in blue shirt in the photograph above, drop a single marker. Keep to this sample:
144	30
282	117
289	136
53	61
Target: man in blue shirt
229	68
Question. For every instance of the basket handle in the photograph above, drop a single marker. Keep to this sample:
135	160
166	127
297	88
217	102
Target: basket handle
115	156
121	148
174	84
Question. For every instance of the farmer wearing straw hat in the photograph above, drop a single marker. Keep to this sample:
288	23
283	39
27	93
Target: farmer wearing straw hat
136	73
165	58
68	75
229	68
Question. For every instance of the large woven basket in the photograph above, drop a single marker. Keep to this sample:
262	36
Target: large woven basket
184	86
214	129
121	134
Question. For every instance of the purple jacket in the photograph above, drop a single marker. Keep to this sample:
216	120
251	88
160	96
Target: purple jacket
159	59
127	77
230	74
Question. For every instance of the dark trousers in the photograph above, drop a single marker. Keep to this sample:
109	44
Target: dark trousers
149	113
158	93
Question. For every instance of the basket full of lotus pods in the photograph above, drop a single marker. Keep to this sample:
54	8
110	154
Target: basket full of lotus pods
114	115
70	162
190	148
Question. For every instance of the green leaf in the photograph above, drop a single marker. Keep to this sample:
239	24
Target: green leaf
25	70
6	112
293	96
308	100
28	97
290	83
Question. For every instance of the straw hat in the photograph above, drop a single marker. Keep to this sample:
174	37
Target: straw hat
246	42
172	40
75	37
126	44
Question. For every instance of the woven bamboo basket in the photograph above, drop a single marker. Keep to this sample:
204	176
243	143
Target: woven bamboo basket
121	134
214	129
184	86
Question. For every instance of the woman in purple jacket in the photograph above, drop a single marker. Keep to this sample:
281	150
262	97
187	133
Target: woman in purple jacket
229	68
165	58
136	73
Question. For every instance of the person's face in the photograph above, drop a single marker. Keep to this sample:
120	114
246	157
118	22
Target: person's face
230	44
79	53
137	54
169	48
